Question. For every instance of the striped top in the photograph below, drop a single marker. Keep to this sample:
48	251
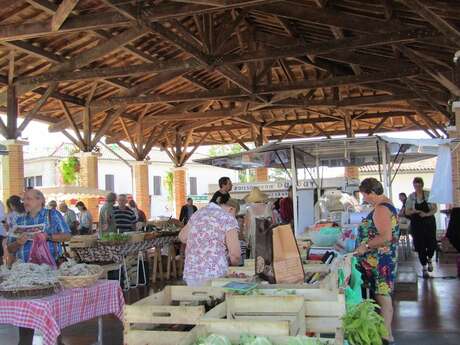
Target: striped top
125	219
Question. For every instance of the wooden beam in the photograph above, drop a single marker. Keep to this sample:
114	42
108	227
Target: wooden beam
155	138
238	140
200	142
428	120
418	125
73	140
12	112
108	120
128	135
127	150
228	29
217	94
321	48
63	11
70	119
14	32
439	76
378	126
294	10
11	67
320	130
38	105
442	25
426	97
31	49
286	132
87	57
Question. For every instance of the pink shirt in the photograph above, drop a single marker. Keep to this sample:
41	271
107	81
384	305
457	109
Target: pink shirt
206	252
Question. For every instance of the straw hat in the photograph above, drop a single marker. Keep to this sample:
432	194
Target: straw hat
256	196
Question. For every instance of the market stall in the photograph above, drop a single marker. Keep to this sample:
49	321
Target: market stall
311	155
46	300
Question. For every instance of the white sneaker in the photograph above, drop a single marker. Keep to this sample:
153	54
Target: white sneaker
425	273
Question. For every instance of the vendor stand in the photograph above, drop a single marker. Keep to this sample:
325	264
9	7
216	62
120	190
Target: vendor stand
49	315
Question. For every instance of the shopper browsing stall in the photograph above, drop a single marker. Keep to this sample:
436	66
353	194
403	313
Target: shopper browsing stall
287	208
378	238
50	221
209	235
124	217
106	219
70	217
85	219
423	224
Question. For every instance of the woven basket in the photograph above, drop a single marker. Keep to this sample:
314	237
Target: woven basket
70	282
38	292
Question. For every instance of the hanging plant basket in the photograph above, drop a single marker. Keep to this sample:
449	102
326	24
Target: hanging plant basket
69	168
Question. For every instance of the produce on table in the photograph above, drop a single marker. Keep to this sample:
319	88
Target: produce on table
71	268
28	276
363	325
214	339
245	339
114	237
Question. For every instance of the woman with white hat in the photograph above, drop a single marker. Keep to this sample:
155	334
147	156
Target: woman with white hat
258	207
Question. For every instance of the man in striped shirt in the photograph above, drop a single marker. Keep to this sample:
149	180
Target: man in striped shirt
124	217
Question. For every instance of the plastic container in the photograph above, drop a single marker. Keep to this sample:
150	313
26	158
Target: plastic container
325	238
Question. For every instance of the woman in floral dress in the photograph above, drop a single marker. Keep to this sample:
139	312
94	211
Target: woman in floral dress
378	238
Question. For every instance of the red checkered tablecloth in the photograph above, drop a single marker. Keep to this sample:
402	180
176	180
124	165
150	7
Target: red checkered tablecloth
50	314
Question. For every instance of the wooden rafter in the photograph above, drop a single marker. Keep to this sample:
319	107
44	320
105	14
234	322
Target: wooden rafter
442	25
62	12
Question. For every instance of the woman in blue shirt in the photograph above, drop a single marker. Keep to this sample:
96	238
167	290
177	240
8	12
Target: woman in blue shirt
52	221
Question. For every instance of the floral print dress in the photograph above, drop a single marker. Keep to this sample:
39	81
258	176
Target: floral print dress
379	265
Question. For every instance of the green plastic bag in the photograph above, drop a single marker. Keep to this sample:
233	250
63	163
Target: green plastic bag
353	292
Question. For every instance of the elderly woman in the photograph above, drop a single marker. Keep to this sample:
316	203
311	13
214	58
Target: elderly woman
212	242
423	225
378	238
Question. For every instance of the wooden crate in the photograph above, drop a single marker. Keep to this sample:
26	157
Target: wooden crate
234	331
290	309
82	241
145	319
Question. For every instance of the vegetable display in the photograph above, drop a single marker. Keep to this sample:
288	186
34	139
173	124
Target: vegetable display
363	325
114	237
215	339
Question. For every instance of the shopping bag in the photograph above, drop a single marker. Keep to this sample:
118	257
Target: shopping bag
264	250
40	252
287	263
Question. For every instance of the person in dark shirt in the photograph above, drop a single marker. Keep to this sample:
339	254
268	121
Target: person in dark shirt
187	211
287	208
125	218
225	185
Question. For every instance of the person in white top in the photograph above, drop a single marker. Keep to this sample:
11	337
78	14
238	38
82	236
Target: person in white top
85	219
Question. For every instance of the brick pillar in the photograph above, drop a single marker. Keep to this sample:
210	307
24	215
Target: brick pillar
352	172
180	188
261	174
141	186
13	169
455	133
89	179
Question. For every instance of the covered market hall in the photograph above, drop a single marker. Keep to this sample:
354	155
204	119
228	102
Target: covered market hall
298	87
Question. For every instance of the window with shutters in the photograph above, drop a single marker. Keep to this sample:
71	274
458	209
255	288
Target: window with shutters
38	181
156	185
110	183
193	186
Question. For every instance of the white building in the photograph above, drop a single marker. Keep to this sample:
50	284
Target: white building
41	168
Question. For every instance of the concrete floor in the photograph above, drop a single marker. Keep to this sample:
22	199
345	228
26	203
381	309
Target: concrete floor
432	320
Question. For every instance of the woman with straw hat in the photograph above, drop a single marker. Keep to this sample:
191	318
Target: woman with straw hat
258	207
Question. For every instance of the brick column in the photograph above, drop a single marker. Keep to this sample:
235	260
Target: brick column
180	188
455	133
141	186
352	172
261	174
89	179
13	169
